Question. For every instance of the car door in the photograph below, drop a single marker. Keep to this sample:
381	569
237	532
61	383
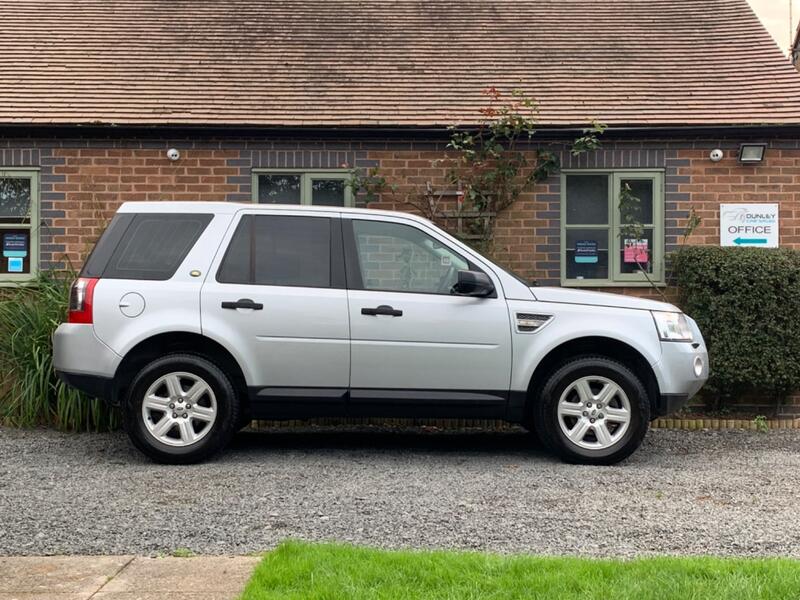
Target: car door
416	348
276	298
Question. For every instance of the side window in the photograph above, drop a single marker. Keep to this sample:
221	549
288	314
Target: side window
279	250
152	246
400	258
312	187
19	207
598	245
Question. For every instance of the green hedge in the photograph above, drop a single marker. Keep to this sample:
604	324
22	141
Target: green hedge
747	304
30	393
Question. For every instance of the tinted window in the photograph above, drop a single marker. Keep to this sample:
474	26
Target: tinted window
105	246
154	245
401	258
236	265
278	250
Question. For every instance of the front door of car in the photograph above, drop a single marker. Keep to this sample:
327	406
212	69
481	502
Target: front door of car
275	297
416	347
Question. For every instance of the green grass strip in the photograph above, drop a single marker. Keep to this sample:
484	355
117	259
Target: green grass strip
332	571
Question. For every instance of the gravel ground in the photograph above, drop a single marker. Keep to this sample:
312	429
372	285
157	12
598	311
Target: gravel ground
727	493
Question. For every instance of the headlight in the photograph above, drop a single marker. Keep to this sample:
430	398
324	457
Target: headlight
672	326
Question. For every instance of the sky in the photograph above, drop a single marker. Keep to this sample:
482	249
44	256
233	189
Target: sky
775	16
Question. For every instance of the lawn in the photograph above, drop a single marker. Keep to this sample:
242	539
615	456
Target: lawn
332	571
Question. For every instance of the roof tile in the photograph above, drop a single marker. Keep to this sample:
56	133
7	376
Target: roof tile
401	63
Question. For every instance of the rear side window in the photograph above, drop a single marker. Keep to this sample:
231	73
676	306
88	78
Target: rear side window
145	246
105	246
279	250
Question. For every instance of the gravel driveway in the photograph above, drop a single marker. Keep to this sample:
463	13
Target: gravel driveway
732	492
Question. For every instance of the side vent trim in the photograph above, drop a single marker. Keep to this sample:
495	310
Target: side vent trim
531	323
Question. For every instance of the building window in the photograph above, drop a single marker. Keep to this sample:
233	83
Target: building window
19	218
596	250
307	187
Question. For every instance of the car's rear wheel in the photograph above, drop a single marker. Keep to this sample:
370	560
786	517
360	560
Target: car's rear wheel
181	409
592	410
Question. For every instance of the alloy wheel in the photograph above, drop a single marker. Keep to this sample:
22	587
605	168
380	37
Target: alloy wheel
179	409
594	413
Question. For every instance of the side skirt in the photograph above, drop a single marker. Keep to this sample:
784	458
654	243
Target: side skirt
305	403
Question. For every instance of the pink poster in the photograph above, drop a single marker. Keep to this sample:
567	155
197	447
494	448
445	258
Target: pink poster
635	251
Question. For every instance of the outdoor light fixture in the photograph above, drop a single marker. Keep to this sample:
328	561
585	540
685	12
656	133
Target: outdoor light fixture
751	153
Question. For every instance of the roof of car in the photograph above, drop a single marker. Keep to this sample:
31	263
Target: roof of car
233	207
405	63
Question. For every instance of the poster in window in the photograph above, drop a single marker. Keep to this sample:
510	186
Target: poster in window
586	252
636	251
15	265
15	245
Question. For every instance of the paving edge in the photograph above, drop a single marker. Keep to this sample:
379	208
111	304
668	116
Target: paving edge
752	424
457	424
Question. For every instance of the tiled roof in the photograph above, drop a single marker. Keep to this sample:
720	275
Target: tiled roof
389	63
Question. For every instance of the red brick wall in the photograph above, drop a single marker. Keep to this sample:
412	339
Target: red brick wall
84	179
95	181
709	184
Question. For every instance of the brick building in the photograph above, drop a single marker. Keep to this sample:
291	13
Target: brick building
280	101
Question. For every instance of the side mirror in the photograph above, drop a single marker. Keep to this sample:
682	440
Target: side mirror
473	283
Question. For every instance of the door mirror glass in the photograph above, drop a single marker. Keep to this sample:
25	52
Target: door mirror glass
473	283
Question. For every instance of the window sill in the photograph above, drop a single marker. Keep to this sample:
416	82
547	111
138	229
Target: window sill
6	282
587	283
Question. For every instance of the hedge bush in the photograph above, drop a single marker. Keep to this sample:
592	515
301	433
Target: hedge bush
747	304
30	393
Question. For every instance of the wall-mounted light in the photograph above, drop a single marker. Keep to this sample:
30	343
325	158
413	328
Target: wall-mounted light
752	153
173	154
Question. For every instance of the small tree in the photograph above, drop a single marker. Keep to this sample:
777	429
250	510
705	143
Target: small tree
491	167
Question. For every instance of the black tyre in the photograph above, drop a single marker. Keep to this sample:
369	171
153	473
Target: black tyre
592	410
181	409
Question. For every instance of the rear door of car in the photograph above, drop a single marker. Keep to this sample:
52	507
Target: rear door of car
276	298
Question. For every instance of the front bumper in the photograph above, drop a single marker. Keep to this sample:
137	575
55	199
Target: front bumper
668	404
678	379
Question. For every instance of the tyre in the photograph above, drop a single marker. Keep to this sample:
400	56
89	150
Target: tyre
181	409
592	410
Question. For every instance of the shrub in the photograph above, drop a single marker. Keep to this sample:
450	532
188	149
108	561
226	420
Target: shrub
747	304
30	392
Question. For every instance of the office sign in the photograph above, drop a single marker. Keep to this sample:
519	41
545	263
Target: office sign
748	225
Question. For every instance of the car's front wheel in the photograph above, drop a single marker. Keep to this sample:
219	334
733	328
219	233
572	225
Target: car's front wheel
181	409
592	410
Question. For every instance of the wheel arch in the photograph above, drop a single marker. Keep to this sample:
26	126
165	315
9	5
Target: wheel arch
599	346
162	344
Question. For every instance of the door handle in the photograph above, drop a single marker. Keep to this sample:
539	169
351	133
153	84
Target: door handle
383	309
243	303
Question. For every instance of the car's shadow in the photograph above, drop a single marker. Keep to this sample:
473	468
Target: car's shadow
405	440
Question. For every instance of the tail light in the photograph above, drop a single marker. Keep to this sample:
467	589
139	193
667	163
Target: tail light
81	296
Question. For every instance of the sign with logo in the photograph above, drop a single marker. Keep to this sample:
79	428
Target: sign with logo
586	251
748	225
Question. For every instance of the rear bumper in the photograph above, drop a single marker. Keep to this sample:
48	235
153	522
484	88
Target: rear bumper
91	385
77	350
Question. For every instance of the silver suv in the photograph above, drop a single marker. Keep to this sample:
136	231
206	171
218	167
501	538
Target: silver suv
197	317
